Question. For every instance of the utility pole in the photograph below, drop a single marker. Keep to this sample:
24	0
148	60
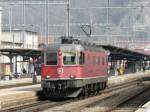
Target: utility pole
108	25
91	22
10	24
46	22
24	22
68	18
132	38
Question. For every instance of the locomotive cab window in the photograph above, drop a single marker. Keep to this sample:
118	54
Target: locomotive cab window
51	58
69	58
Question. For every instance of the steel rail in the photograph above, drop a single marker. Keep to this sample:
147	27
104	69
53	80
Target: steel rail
42	105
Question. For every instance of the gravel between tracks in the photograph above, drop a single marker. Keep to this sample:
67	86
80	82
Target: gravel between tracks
102	102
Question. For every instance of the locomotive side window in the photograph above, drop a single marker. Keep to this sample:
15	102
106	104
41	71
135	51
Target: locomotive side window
81	58
94	60
69	58
98	60
103	61
88	60
51	58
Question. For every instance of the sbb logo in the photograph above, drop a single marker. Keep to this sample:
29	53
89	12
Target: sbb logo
60	70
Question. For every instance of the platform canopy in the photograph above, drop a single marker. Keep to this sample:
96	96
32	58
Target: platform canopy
117	53
21	52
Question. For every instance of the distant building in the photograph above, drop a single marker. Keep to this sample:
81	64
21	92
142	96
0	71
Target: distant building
43	41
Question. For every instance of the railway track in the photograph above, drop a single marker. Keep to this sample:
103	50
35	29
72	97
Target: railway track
134	103
38	106
34	107
49	104
109	104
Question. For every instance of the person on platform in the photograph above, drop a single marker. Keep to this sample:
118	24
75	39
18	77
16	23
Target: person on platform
33	71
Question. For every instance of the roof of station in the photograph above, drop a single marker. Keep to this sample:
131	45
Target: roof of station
20	28
116	53
21	52
123	53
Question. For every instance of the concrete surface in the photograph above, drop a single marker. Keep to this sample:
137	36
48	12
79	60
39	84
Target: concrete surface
18	95
18	81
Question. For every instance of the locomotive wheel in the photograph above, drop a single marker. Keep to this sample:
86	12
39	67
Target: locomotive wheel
98	87
89	89
85	91
95	89
103	85
80	96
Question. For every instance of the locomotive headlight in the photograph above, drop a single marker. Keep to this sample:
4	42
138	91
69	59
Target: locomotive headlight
72	76
48	77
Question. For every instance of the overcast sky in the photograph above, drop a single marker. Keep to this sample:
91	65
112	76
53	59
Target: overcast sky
119	21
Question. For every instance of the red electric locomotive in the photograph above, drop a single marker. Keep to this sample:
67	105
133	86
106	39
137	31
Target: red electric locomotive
73	69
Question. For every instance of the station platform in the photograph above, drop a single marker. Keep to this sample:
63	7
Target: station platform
120	79
18	81
17	95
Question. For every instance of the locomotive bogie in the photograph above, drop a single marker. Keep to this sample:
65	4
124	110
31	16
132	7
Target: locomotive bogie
71	89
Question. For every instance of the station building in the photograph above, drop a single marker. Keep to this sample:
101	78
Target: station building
18	41
15	38
18	38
